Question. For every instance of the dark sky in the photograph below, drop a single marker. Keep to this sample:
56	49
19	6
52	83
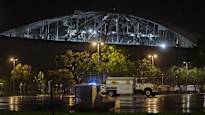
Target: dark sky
186	16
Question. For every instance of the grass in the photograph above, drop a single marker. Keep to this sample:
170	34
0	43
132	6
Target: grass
93	113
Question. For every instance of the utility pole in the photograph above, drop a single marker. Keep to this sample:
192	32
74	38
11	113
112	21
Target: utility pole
13	60
98	44
187	68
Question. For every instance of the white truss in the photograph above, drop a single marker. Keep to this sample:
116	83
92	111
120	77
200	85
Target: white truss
111	28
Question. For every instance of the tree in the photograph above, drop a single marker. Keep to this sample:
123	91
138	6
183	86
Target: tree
78	63
144	68
182	75
196	76
172	77
21	72
20	75
81	64
61	76
40	81
113	61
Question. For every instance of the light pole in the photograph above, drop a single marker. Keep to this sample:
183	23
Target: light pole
98	44
187	68
162	79
186	64
152	58
13	60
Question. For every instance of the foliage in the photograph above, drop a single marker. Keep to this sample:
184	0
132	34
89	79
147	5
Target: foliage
196	76
2	81
144	68
181	75
40	76
81	64
78	63
21	72
61	76
21	76
40	81
113	61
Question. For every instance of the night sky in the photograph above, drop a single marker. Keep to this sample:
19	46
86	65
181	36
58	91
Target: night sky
184	16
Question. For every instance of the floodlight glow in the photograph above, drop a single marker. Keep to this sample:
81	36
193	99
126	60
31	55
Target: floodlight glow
90	30
11	59
92	83
132	35
94	43
113	32
94	32
163	46
101	43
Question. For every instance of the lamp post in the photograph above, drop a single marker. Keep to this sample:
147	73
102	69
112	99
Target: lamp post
162	79
13	60
152	58
186	65
98	44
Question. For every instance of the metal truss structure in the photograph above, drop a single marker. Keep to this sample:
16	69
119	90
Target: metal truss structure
110	28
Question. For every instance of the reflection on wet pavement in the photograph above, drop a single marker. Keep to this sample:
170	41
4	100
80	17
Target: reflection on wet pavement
136	103
14	103
163	103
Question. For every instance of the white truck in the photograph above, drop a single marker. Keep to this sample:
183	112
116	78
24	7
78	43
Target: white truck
130	85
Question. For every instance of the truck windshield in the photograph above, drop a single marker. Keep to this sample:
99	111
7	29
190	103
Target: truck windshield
144	80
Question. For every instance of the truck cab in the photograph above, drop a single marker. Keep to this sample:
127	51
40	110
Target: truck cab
143	85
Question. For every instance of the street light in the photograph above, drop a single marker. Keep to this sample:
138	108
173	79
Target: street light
187	68
152	58
186	64
13	60
98	44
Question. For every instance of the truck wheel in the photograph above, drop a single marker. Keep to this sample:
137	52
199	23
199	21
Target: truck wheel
148	92
111	93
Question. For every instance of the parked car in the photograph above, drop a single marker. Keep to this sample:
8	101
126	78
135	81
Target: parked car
192	88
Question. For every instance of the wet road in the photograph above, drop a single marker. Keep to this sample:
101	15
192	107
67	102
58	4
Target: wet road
35	103
163	103
136	103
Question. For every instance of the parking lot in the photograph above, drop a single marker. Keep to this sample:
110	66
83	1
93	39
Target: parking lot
162	103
